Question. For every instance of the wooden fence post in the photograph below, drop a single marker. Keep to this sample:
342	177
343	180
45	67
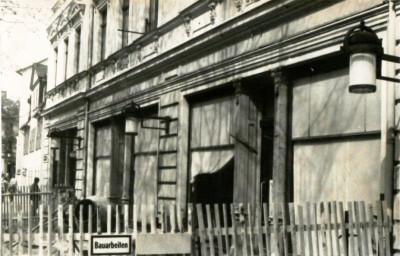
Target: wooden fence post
41	229
71	230
30	207
50	229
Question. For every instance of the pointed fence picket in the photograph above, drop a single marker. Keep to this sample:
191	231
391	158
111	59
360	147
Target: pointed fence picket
326	229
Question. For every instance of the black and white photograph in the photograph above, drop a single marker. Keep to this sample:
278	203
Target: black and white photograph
200	127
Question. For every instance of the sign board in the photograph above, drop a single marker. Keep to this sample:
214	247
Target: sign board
110	244
169	243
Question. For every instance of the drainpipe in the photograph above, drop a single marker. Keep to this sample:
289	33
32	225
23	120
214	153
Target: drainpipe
87	103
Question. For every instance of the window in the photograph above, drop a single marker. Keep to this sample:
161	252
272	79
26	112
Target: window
151	22
103	28
64	161
212	150
77	49
66	42
55	64
39	134
26	141
32	138
108	158
125	22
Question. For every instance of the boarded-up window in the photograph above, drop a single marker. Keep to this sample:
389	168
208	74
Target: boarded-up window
32	137
102	160
26	140
146	145
212	149
39	134
334	169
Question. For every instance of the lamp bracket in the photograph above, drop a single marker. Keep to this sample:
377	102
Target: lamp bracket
134	110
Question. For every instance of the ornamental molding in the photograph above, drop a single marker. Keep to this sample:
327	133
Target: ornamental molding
238	5
187	24
64	19
213	13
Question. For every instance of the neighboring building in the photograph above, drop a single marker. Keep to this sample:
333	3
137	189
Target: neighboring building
255	91
9	132
32	151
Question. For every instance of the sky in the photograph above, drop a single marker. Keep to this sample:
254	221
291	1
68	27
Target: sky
23	40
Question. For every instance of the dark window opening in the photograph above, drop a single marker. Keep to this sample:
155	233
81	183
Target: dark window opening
77	49
125	22
64	160
66	42
103	28
151	22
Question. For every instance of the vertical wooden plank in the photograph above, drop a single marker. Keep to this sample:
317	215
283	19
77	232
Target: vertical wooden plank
90	225
259	230
202	233
180	213
343	228
218	228
293	228
98	221
71	230
30	206
329	229
276	240
117	219
373	242
316	232
380	231
162	218
135	218
2	239
60	222
267	229
153	213
309	236
386	228
351	229
324	242
109	219
301	229
190	218
336	228
81	230
226	227
364	227
234	231
41	230
210	230
284	230
50	229
20	233
10	226
172	217
357	220
250	228
243	230
126	218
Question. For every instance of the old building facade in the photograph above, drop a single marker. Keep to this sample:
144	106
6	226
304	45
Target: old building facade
32	153
251	101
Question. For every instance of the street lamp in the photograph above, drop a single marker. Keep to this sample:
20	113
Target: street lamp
365	52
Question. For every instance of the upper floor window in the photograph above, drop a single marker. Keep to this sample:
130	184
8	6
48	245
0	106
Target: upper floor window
66	42
125	22
77	48
26	140
39	133
103	27
151	22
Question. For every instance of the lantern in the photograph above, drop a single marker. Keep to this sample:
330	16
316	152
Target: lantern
365	55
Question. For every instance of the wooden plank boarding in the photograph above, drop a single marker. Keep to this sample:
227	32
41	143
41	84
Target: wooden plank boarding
373	247
50	229
315	224
218	229
336	228
259	230
71	230
351	226
202	231
234	231
226	229
343	228
267	229
293	228
309	236
210	231
301	229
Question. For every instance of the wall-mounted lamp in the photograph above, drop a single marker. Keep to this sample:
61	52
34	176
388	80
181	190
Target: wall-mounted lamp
365	52
134	113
